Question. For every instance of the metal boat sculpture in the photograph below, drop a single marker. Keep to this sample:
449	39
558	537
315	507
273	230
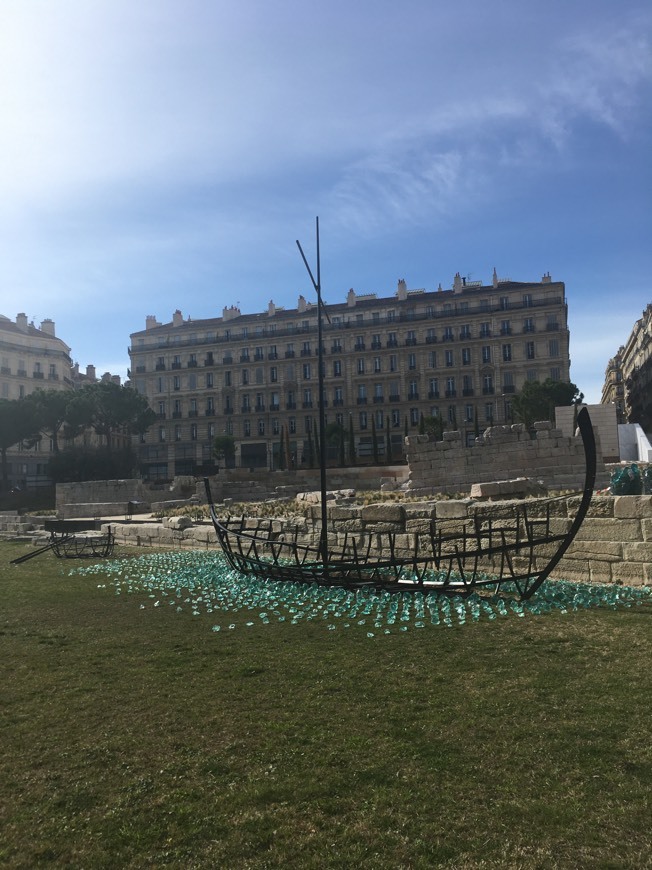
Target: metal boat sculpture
519	544
74	539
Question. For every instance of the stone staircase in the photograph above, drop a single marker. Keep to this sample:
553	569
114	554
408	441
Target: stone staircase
14	527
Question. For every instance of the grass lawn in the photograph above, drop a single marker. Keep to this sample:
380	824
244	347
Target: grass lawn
140	738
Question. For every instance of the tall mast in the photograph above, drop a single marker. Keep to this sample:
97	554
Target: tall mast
323	540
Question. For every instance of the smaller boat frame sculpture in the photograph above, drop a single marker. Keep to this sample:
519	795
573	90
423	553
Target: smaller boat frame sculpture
74	539
519	544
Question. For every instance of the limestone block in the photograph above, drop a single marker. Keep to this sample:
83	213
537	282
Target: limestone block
600	571
349	512
417	524
445	510
629	574
633	506
638	552
383	513
347	525
646	526
542	426
376	527
598	529
419	511
604	551
177	522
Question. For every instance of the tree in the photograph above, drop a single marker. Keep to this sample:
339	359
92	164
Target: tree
51	409
537	401
18	422
224	447
388	440
374	440
433	427
351	441
108	409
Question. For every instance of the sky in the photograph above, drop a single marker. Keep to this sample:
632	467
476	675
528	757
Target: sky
166	154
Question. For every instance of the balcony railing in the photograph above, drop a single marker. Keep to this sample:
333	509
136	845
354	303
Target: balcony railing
378	399
362	400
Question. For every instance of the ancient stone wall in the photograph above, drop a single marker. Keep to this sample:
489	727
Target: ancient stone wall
502	453
614	544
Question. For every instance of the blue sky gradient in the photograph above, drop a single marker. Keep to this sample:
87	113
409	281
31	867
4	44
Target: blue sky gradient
161	155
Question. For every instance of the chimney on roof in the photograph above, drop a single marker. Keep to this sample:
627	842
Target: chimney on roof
495	278
350	298
90	373
21	322
546	278
401	290
457	283
271	309
177	318
47	326
151	322
301	305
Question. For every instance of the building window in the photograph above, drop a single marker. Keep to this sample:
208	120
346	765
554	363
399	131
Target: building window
360	366
176	382
396	417
339	395
553	347
161	433
433	388
466	356
465	331
412	361
486	353
276	427
393	363
292	425
245	377
414	416
273	375
380	422
211	430
449	358
529	350
450	386
485	330
209	381
531	375
448	333
468	413
377	364
306	371
413	390
363	419
527	300
432	359
362	393
504	302
489	413
307	398
555	374
193	432
507	353
177	433
337	369
246	428
261	427
487	384
227	379
528	324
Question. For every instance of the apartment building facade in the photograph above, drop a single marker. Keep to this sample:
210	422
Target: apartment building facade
460	354
31	358
628	376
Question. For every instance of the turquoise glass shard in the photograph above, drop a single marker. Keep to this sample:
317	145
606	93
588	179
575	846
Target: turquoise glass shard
204	584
